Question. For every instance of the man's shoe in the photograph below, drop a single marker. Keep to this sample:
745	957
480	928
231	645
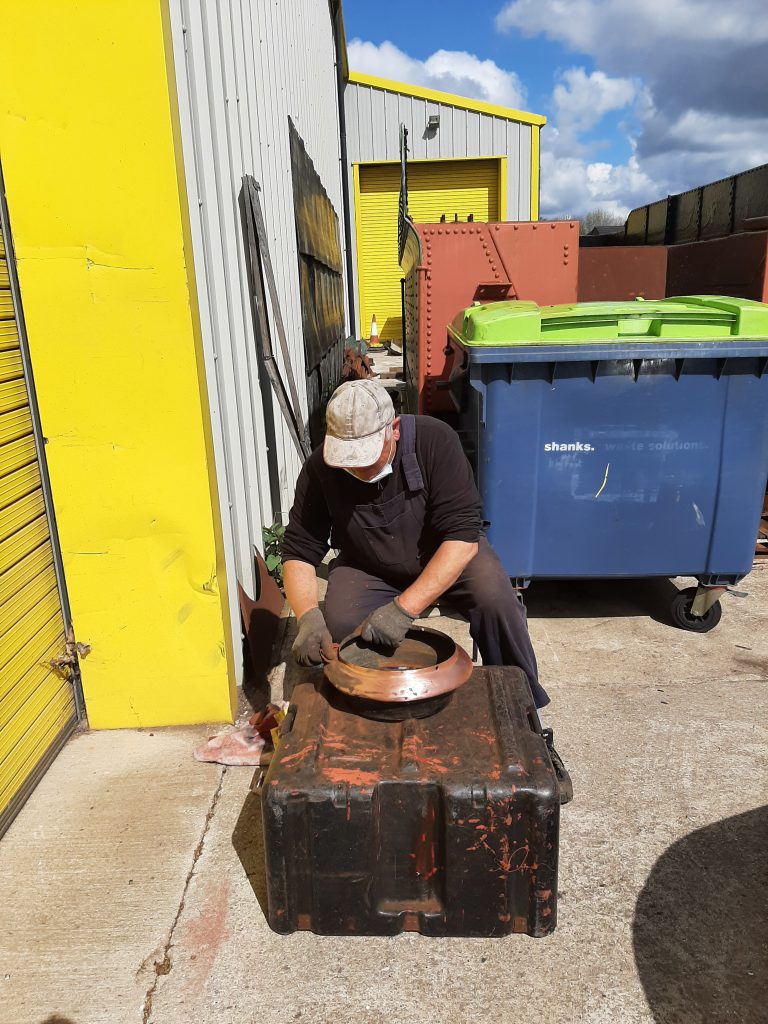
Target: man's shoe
561	772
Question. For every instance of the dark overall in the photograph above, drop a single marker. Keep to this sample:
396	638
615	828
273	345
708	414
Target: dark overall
386	536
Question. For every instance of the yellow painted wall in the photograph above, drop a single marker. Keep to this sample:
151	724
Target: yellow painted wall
87	149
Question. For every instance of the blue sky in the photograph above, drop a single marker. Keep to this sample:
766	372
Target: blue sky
643	97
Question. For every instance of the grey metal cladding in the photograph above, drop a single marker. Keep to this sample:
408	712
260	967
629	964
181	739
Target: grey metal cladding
374	116
242	67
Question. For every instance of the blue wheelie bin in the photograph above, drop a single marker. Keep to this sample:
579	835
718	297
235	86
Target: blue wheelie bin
625	439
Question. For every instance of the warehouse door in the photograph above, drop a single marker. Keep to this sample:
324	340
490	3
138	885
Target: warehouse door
435	187
37	703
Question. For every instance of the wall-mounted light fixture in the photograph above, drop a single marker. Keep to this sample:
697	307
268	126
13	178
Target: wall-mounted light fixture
433	122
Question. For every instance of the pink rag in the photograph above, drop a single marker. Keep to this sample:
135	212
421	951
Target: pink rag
240	746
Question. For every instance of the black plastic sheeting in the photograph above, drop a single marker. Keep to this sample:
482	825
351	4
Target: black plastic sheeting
321	282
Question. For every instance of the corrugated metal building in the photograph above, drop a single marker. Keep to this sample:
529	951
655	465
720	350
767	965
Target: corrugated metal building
142	448
242	70
158	430
465	157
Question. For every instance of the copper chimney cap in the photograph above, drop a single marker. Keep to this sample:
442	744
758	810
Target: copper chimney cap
426	664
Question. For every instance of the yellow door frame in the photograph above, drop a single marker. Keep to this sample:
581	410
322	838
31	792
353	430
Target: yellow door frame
360	290
449	99
535	165
357	164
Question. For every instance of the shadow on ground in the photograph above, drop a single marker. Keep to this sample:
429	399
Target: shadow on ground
248	841
594	599
700	931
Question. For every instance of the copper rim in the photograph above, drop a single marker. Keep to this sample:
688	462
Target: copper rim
400	685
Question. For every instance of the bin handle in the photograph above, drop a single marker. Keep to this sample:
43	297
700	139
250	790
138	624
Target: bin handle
481	389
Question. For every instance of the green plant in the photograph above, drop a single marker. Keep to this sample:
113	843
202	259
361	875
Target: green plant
273	551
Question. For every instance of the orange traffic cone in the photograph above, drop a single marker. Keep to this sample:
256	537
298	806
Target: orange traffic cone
374	339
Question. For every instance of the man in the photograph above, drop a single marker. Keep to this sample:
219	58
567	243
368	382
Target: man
396	496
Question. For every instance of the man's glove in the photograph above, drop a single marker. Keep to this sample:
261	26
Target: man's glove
387	625
313	638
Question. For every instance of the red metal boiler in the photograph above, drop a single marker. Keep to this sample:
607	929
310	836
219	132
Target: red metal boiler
447	267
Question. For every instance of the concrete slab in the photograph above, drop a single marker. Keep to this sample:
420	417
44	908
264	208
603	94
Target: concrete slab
92	874
654	923
663	870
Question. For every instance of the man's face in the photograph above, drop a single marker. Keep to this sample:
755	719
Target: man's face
366	473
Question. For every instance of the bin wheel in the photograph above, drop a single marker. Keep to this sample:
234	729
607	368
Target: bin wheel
681	613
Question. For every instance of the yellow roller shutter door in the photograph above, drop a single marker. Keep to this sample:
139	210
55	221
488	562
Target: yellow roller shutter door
37	705
435	187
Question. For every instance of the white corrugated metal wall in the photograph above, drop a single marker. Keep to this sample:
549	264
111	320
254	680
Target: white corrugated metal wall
373	118
242	68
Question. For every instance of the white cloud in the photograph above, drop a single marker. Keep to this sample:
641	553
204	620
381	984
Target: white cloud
702	54
453	71
581	100
572	180
700	72
592	26
573	186
707	135
688	77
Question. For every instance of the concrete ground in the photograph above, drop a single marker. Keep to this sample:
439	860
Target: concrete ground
126	900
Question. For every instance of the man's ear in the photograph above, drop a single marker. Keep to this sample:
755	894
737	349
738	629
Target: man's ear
396	428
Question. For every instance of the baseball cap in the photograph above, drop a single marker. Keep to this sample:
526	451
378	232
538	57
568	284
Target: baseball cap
356	418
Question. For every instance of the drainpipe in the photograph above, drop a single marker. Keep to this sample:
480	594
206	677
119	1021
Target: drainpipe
338	40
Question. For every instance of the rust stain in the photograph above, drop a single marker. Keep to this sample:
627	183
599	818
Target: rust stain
412	751
424	857
205	935
507	860
484	737
352	776
289	760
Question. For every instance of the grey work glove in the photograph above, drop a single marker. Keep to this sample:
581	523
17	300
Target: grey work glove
387	625
312	639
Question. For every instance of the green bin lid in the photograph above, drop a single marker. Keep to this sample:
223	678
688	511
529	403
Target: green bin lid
688	318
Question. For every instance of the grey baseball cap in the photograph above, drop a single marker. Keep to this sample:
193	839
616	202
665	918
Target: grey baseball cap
357	417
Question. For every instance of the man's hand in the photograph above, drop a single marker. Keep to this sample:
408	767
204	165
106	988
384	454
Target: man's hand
313	639
387	625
